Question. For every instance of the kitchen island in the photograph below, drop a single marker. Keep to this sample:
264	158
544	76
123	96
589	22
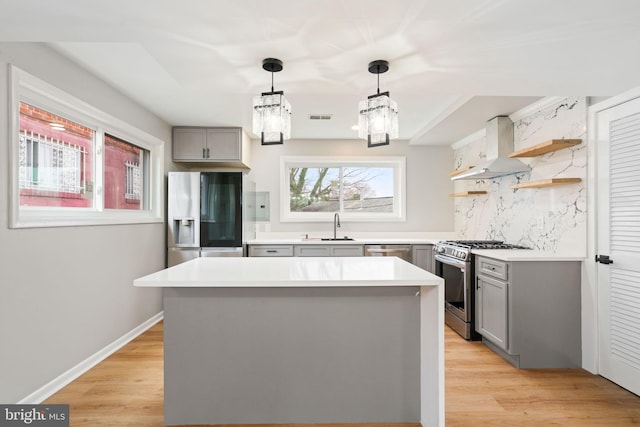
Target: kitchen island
302	340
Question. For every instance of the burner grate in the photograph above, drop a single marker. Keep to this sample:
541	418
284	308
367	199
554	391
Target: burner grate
483	244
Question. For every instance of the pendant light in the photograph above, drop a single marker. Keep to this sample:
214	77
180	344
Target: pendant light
271	110
378	119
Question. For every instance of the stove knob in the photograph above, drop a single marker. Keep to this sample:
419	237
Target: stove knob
440	250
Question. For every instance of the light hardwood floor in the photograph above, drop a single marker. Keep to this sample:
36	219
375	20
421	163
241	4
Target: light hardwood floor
481	389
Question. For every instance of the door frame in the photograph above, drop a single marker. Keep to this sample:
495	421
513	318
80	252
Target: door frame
590	321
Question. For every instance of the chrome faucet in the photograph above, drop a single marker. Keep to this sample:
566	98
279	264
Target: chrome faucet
336	224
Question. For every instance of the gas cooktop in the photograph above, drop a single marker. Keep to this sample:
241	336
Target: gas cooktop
461	249
482	244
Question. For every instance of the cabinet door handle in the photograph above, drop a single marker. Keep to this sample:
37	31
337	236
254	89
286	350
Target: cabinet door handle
271	251
204	151
207	153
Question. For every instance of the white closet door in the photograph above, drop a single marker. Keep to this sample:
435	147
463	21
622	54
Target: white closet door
618	172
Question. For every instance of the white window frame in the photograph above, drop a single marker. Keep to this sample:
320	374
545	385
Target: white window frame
24	87
399	197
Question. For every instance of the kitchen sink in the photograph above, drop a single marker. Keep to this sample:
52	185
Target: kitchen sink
337	238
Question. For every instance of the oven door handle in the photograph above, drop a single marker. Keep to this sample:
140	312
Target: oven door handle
454	262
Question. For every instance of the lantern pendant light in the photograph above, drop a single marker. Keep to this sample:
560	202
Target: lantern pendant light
271	110
378	118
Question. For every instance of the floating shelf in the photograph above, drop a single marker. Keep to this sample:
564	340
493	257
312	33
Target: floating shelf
459	171
467	193
546	183
545	147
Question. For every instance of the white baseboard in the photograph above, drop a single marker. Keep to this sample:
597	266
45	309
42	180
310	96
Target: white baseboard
58	383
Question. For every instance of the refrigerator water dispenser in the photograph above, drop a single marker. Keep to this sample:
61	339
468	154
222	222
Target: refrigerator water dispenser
184	234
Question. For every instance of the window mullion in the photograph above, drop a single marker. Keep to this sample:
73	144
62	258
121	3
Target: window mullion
59	157
98	173
370	189
341	190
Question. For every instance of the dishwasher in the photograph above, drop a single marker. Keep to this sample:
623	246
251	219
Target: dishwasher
404	252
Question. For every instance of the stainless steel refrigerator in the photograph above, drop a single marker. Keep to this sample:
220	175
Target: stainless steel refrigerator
208	214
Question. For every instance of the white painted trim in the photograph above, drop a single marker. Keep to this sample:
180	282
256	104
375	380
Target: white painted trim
399	164
32	90
589	282
518	115
613	101
67	377
530	109
469	139
590	333
439	117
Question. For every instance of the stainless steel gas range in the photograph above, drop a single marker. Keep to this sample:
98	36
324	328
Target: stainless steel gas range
454	263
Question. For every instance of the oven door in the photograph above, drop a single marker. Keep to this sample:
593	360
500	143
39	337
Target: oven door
456	286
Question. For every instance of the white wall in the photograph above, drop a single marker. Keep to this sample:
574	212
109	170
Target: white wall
552	218
428	206
67	291
513	215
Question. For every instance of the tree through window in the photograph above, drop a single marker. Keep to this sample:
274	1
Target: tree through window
359	188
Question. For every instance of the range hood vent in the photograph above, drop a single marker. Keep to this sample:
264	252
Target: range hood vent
499	138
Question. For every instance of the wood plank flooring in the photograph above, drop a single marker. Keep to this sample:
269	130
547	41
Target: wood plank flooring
126	389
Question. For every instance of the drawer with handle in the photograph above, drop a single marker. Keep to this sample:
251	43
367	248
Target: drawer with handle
492	267
270	250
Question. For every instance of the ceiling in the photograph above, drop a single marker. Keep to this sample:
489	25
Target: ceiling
453	63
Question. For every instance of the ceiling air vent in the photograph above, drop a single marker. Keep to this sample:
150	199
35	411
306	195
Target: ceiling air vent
320	116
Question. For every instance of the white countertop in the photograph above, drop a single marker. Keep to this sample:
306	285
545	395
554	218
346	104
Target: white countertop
501	254
290	272
356	241
360	238
526	255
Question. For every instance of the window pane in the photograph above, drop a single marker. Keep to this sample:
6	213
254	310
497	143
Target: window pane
55	160
363	189
368	189
314	189
123	174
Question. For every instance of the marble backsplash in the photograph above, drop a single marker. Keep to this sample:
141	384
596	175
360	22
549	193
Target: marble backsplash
552	218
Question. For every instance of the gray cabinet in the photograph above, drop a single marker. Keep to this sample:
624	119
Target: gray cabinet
328	250
210	145
305	250
492	308
270	250
422	254
423	257
529	312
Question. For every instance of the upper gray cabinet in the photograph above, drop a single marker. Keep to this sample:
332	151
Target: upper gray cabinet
227	145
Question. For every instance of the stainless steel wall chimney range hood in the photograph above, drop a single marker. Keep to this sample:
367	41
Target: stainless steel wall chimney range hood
499	137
